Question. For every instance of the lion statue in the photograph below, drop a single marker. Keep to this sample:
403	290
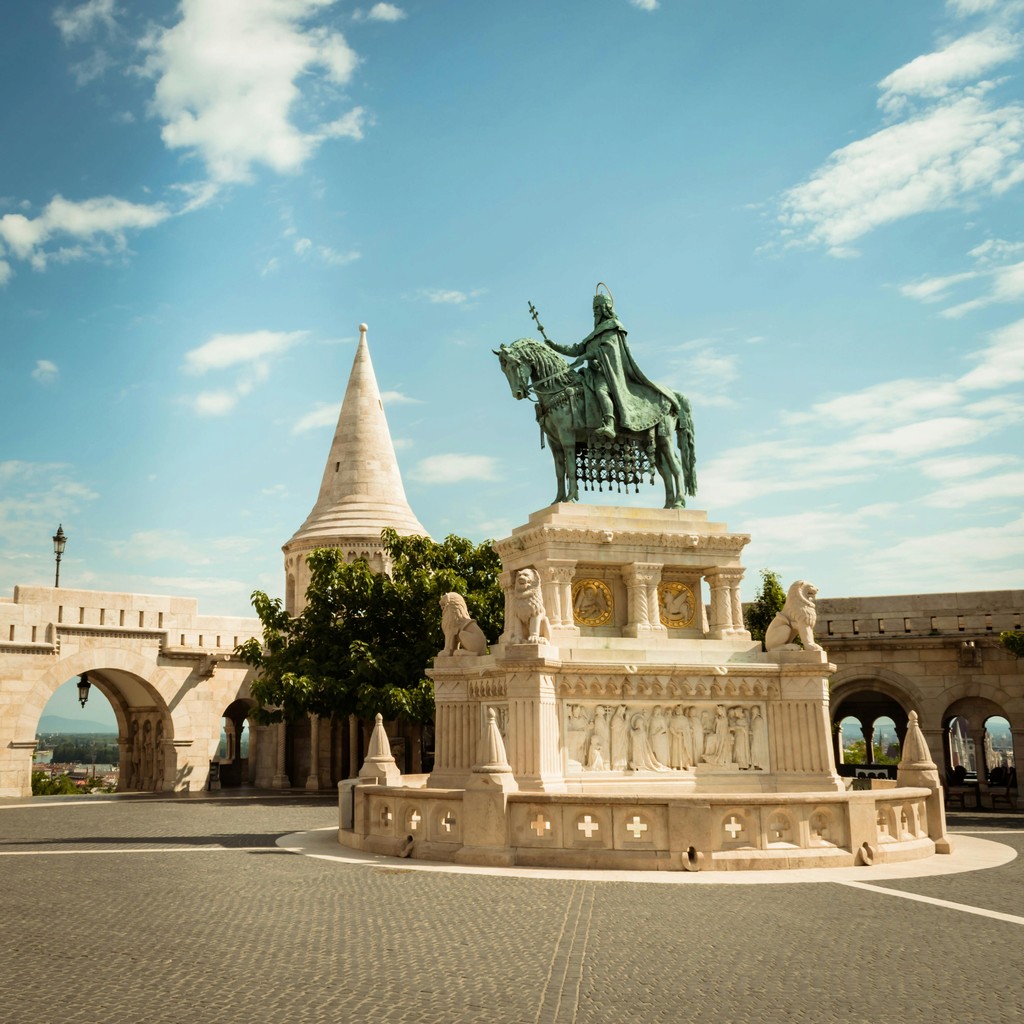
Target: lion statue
462	635
796	619
529	623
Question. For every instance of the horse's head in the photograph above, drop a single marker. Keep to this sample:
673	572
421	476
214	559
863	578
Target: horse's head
515	368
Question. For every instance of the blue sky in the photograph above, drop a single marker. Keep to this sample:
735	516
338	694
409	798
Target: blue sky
809	215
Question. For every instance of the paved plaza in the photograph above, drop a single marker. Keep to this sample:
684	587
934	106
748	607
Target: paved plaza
124	911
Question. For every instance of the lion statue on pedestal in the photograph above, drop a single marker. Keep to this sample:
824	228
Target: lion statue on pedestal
797	619
529	623
462	635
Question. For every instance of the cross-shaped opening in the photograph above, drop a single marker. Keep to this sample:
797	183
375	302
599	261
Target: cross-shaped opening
733	827
540	825
386	815
448	822
414	820
588	826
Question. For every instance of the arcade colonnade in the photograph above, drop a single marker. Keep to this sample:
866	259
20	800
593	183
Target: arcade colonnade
936	654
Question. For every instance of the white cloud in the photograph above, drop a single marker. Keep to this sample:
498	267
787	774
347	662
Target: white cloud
380	12
6	273
91	220
81	21
322	415
981	557
645	5
228	80
1007	285
249	354
453	468
45	371
987	489
225	350
934	289
1001	362
960	468
214	403
34	498
449	296
822	529
302	246
956	150
933	75
397	398
334	258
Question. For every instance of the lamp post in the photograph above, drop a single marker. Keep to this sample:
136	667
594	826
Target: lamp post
83	688
59	540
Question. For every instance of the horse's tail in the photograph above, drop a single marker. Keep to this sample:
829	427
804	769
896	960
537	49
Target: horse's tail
687	448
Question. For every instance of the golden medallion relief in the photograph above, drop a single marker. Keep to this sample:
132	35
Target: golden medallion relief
592	602
677	604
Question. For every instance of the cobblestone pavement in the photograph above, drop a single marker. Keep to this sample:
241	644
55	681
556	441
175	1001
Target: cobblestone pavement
185	911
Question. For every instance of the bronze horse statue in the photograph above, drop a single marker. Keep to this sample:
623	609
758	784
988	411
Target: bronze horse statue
532	369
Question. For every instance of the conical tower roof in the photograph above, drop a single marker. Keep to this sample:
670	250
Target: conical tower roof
362	490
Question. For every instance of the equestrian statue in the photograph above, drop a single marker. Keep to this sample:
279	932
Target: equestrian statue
605	422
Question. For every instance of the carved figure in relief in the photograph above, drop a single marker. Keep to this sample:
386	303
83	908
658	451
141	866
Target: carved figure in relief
576	733
641	756
135	778
620	739
599	745
160	756
722	752
147	755
681	747
591	605
740	729
462	635
797	619
658	733
758	740
697	733
529	624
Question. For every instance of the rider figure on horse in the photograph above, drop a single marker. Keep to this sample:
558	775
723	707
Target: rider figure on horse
624	396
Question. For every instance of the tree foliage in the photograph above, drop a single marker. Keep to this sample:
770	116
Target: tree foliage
769	600
363	640
1013	641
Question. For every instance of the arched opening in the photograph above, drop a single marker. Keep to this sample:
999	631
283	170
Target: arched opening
998	748
869	726
237	745
77	747
144	733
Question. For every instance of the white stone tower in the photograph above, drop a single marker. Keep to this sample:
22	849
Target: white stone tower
362	490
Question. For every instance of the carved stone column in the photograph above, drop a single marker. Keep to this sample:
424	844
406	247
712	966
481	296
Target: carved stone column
642	616
721	604
731	579
556	575
313	779
280	780
123	763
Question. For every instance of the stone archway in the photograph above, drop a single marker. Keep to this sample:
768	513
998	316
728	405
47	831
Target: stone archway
870	696
142	697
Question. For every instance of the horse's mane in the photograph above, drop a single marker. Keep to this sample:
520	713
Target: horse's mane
546	363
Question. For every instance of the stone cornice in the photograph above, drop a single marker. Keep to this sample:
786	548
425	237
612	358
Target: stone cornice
731	543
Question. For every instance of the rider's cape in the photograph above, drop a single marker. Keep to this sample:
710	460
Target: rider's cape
639	402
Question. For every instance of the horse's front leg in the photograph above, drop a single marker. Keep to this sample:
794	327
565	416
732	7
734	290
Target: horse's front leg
558	454
568	442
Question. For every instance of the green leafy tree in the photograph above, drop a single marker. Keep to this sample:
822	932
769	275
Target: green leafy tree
854	752
59	785
363	640
769	600
1013	641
